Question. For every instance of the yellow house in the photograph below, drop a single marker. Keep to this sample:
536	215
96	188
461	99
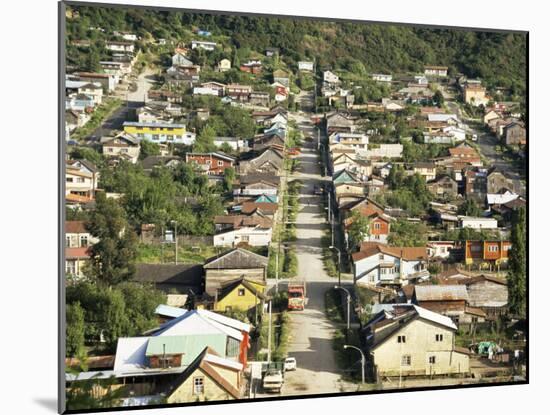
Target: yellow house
412	341
209	378
158	132
240	295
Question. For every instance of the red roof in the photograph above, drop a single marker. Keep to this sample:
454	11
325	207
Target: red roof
77	253
75	226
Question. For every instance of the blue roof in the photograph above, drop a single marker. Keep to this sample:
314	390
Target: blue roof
169	311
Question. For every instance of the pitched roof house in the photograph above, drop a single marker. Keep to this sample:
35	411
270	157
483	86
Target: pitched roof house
379	264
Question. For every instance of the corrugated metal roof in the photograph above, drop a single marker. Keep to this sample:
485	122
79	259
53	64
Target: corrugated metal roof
190	345
441	292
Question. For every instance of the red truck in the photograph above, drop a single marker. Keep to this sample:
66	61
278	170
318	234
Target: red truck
297	296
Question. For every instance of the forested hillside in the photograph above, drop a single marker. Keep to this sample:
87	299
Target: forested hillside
498	58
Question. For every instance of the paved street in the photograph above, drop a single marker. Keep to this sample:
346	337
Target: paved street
134	99
312	332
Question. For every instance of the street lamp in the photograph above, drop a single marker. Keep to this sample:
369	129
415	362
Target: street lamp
173	222
363	360
339	266
336	287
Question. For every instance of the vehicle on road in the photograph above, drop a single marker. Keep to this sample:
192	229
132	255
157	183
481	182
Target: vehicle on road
290	364
273	380
474	137
294	151
297	296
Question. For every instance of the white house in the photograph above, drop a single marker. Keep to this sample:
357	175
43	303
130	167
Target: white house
179	59
203	45
237	144
253	236
305	66
435	70
330	78
382	151
446	118
381	77
349	140
458	134
477	222
205	91
378	264
439	249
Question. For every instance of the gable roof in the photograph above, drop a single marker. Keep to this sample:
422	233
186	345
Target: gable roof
232	285
205	364
387	323
179	276
75	226
237	258
410	253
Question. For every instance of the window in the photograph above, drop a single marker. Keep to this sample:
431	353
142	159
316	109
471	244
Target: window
381	257
198	385
124	150
70	267
241	292
69	179
245	238
208	161
493	248
84	240
401	339
155	137
406	360
80	179
432	360
377	226
68	241
220	163
439	337
111	149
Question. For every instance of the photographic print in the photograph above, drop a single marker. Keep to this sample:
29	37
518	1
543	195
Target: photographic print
262	207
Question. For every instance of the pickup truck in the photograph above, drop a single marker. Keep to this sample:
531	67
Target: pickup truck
273	380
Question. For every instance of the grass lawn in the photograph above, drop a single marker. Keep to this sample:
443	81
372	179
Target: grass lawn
158	254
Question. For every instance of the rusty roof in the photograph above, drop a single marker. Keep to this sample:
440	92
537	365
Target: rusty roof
440	293
408	253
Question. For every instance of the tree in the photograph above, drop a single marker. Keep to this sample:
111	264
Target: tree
205	140
517	288
405	233
112	258
438	98
228	178
469	208
75	330
148	148
358	230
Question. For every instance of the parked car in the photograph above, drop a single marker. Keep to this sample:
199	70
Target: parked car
318	190
273	380
290	364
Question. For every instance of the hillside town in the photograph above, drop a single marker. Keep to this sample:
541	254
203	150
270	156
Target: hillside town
245	223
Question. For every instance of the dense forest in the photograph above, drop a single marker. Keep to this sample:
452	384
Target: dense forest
498	58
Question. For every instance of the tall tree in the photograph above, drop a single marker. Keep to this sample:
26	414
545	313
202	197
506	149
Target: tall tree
112	258
358	230
517	288
75	329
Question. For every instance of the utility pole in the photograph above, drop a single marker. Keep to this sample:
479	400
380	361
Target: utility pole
176	238
269	336
277	267
363	360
